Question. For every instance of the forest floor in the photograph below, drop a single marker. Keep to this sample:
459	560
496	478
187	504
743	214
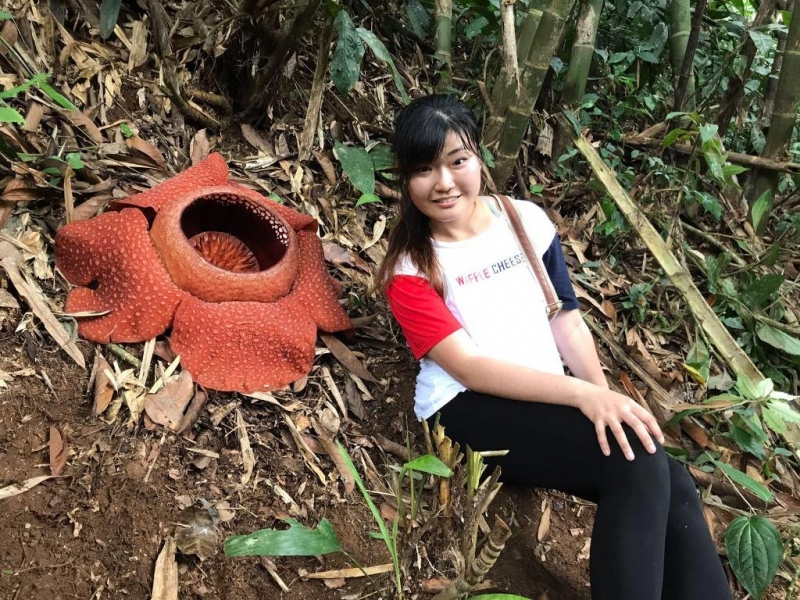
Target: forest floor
95	531
124	486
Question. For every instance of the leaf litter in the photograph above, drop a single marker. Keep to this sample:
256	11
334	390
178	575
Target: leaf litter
125	149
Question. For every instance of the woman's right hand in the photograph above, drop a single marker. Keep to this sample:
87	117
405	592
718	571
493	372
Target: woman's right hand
609	410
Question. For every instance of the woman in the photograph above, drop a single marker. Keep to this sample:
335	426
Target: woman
491	365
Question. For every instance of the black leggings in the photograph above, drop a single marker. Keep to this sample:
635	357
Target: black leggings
650	540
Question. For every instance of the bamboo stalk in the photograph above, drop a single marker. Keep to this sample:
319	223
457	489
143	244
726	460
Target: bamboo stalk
582	52
511	65
687	73
680	25
524	40
508	139
783	116
443	17
719	336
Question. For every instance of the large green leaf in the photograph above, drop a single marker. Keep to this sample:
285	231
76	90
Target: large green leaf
345	66
777	413
744	480
418	17
760	206
10	115
382	54
382	157
428	464
298	540
357	165
778	339
109	11
754	550
761	290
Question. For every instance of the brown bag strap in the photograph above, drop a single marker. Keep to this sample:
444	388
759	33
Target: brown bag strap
553	304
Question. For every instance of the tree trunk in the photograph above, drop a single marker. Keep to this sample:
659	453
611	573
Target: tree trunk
508	138
683	87
736	85
680	25
783	117
443	17
582	52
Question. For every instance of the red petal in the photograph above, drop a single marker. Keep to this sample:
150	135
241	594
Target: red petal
211	171
112	253
244	346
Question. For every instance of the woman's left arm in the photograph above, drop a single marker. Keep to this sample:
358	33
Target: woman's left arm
576	345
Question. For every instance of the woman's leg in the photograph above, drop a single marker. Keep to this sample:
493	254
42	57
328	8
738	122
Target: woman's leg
556	447
692	569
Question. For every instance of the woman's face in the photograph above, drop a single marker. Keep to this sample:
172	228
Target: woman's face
446	189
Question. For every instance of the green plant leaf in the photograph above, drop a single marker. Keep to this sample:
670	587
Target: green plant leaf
126	130
777	413
758	293
57	97
429	464
109	12
382	157
357	165
10	115
744	480
754	549
391	542
345	65
778	339
298	540
382	54
762	41
418	17
34	81
4	16
368	199
673	136
760	208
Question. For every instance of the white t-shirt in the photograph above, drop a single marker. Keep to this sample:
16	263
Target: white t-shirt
494	296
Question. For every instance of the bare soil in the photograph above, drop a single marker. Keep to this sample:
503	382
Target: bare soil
96	530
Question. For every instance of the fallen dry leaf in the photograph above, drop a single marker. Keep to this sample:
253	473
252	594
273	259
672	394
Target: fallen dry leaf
254	139
248	458
58	451
89	208
16	190
195	533
336	255
199	147
146	150
544	524
10	259
327	166
165	577
164	351
80	120
103	388
334	583
166	406
346	357
19	488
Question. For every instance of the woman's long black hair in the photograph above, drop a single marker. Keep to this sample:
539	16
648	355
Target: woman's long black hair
421	129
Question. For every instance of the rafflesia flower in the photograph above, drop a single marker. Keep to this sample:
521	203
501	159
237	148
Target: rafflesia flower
240	279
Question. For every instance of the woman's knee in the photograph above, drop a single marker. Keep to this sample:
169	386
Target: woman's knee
646	473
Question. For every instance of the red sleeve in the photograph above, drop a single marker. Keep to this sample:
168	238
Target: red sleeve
421	313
